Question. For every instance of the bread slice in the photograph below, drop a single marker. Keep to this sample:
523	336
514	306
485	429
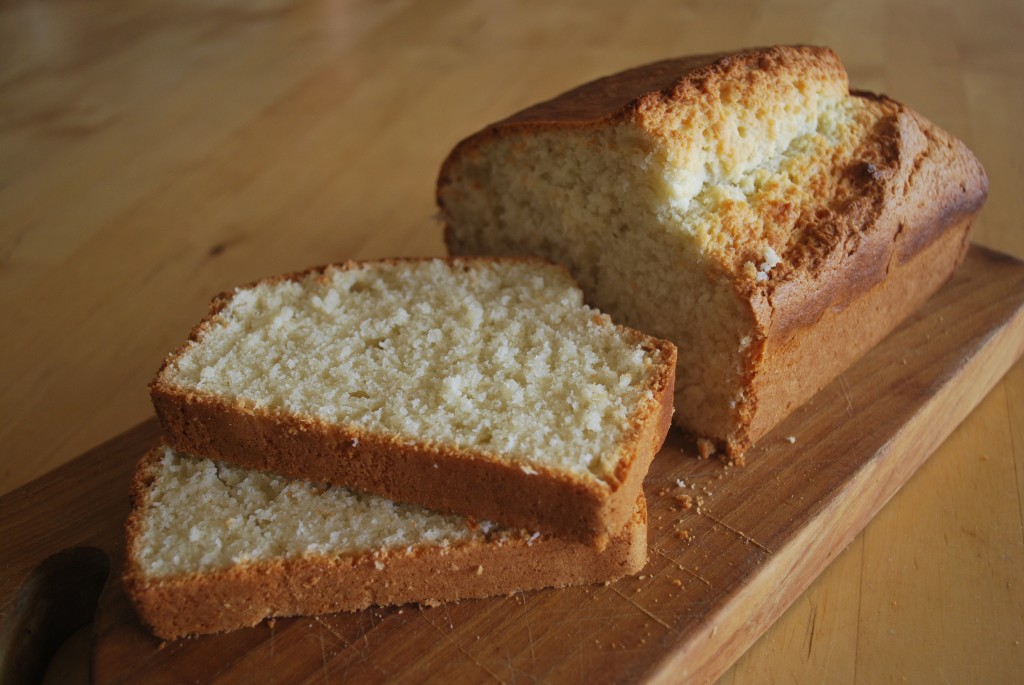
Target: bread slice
748	207
213	547
477	386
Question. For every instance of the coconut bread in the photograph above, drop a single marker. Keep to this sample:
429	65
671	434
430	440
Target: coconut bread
213	547
475	386
749	207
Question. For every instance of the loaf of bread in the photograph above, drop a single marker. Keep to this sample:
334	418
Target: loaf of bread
213	547
748	207
476	386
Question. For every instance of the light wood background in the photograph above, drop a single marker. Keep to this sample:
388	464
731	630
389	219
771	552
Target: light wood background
153	154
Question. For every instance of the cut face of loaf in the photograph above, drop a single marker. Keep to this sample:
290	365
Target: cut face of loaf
478	386
213	547
747	207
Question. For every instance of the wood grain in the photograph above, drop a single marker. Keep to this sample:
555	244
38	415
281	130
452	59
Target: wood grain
729	548
152	155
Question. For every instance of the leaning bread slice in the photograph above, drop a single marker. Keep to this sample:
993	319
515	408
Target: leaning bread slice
476	386
748	207
213	547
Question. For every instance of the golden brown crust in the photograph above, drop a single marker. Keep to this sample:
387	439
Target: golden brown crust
634	94
894	233
909	186
244	595
434	475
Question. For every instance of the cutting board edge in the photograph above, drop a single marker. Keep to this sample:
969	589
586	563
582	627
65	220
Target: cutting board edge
997	353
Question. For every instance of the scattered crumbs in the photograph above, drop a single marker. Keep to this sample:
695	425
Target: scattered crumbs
705	448
685	535
791	439
355	442
641	577
680	483
435	466
684	501
479	570
401	610
378	564
663	492
607	583
678	583
637	590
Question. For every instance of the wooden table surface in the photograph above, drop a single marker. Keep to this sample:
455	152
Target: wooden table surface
154	154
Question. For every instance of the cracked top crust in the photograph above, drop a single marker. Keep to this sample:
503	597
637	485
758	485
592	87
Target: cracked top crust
865	166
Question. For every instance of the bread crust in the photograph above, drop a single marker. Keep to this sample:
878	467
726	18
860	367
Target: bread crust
911	186
246	594
431	474
893	238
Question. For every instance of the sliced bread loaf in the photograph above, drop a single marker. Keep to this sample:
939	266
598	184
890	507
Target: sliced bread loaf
213	547
748	207
478	386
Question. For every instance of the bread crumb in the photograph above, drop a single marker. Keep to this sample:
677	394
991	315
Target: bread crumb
678	583
791	439
685	535
684	501
479	570
705	448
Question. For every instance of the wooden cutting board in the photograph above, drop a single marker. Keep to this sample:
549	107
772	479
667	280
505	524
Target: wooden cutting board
719	572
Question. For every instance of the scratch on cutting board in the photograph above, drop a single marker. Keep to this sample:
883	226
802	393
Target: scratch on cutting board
332	631
323	653
459	647
845	387
643	610
680	566
739	533
529	630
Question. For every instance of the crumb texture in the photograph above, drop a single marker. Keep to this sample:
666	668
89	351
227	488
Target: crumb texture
497	356
200	516
669	211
